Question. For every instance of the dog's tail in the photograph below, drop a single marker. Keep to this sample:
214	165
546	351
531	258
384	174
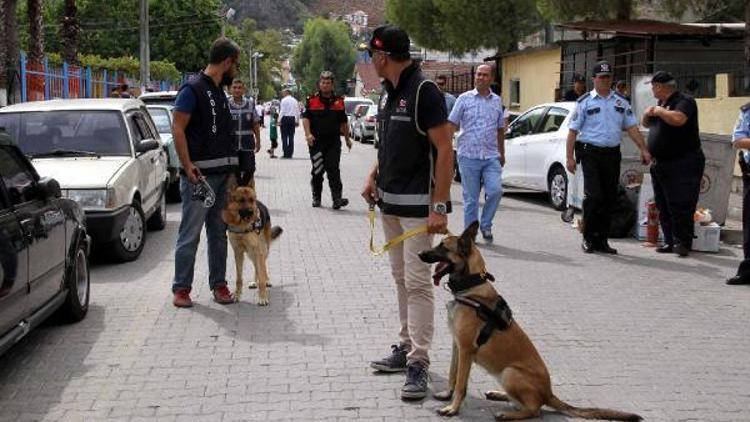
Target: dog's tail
591	413
276	232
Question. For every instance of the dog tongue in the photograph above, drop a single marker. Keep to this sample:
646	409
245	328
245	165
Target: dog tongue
439	272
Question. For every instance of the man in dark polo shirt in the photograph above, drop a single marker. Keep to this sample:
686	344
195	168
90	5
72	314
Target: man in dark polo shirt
678	162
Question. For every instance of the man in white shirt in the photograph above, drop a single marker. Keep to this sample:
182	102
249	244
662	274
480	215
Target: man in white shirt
259	112
288	120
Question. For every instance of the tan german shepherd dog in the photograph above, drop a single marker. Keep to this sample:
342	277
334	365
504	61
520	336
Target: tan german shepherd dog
508	354
250	233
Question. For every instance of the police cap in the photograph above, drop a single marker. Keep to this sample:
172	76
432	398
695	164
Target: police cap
602	68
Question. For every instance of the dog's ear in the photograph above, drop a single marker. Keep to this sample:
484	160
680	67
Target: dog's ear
467	239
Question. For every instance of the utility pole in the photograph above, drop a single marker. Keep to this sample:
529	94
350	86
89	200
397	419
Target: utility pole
145	54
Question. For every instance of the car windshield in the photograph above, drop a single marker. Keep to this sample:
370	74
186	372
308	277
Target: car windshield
67	132
161	119
349	106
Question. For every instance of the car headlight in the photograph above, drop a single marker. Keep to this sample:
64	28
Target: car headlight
93	198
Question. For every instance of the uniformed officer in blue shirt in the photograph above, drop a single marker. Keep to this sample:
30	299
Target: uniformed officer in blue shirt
741	140
594	140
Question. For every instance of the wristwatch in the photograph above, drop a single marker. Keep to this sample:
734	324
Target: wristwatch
440	208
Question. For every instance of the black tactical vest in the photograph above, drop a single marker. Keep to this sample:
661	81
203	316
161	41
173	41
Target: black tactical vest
210	132
405	155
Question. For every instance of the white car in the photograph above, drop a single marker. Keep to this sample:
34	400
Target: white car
364	125
350	104
160	97
107	155
535	151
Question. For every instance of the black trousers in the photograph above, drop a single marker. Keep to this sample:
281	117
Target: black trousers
288	123
744	269
246	169
601	176
325	157
677	183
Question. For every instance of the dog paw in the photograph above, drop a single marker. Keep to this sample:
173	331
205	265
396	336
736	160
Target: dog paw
443	395
496	396
263	301
448	411
268	283
252	285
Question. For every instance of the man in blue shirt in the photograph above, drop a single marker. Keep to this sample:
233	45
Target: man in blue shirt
594	139
741	140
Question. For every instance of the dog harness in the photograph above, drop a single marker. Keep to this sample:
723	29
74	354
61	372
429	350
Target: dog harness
264	218
499	317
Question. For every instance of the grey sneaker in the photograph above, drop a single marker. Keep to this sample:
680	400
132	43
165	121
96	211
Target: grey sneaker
395	362
416	382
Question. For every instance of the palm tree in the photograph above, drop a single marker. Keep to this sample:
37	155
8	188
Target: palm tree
9	51
36	34
69	32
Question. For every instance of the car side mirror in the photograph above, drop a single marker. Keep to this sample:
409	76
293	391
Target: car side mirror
49	188
147	145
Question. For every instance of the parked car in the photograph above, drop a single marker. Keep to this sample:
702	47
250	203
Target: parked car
350	104
364	126
107	155
160	98
162	116
535	151
44	248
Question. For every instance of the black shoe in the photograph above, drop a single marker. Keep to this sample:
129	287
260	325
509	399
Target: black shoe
395	362
587	246
606	249
415	387
316	203
487	236
666	248
340	203
737	280
681	251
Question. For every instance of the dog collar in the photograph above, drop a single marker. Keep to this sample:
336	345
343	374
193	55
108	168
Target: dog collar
467	282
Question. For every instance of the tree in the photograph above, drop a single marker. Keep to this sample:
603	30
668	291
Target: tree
69	32
439	24
9	50
36	26
715	10
325	45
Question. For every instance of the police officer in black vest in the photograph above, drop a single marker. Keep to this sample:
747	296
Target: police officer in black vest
203	138
411	184
324	122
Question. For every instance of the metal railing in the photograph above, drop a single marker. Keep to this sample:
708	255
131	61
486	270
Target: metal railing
43	81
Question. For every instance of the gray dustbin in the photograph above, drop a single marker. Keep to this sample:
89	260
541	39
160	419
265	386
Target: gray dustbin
717	177
715	185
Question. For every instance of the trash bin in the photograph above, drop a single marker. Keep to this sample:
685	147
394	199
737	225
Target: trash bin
717	177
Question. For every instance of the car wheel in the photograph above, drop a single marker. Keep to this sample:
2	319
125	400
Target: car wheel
159	219
173	191
129	243
78	283
456	171
558	188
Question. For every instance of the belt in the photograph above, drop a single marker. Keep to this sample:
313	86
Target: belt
591	147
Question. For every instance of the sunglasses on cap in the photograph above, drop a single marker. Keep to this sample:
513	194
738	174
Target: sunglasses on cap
371	51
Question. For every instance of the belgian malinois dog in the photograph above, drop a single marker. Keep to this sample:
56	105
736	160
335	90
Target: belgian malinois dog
506	352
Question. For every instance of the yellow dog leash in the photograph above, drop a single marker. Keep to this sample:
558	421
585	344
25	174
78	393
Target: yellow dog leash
396	240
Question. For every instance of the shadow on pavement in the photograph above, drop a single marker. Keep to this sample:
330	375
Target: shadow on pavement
522	255
251	323
37	371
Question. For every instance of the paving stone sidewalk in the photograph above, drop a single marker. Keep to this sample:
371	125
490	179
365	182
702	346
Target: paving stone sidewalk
657	335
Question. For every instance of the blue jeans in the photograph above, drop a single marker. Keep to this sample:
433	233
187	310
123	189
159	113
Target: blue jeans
194	216
474	174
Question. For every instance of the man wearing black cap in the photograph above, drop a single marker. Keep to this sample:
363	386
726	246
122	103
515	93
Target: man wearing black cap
594	140
678	161
411	183
579	87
